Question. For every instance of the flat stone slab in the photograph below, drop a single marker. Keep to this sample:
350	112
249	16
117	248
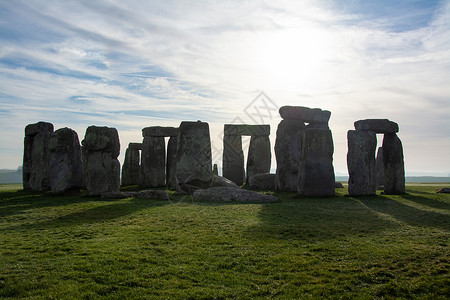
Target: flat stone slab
305	114
160	131
377	125
443	190
264	181
225	194
145	194
137	146
33	129
219	181
243	129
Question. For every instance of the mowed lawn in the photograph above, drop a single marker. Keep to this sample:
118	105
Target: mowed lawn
81	247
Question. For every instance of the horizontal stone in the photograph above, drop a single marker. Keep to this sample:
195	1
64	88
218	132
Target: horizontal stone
226	194
145	194
137	146
377	125
160	131
33	129
264	181
305	114
243	129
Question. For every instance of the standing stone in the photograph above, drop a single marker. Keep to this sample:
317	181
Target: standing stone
394	168
379	165
259	156
36	157
194	161
233	159
100	149
288	145
131	169
361	162
316	172
153	161
171	166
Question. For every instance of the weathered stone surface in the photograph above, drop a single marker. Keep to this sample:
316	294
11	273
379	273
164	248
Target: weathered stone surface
233	159
219	181
262	182
33	129
259	156
131	169
105	139
215	170
159	131
361	162
305	114
244	129
316	172
153	162
394	168
171	165
36	157
443	190
377	125
101	169
288	145
145	194
379	165
66	169
137	146
194	162
225	194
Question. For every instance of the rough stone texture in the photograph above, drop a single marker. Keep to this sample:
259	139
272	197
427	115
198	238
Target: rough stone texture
66	169
219	181
145	194
263	182
171	164
361	162
338	185
316	172
288	145
233	159
131	169
159	131
137	146
194	162
215	170
443	190
379	168
259	156
377	125
225	194
153	162
101	169
244	129
36	157
305	114
394	168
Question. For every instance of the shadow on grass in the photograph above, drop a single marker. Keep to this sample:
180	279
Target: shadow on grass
427	201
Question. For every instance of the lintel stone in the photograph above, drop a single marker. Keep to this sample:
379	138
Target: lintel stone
137	146
159	131
243	129
377	125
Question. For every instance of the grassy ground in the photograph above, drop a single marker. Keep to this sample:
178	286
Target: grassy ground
80	247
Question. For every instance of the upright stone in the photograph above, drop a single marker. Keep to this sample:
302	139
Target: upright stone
100	149
379	165
194	161
36	157
66	169
316	172
394	168
288	145
361	162
171	166
233	159
153	161
259	156
131	169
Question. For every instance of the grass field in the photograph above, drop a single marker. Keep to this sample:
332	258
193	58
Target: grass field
81	247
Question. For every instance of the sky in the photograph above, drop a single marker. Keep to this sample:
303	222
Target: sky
133	64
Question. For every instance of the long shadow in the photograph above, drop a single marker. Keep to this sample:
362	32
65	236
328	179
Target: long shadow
427	201
318	219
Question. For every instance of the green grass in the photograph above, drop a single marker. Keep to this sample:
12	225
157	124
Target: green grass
341	247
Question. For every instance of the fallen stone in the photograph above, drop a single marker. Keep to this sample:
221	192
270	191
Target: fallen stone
243	129
153	162
264	182
66	168
159	131
338	185
361	162
119	195
377	125
154	194
225	194
394	166
218	181
233	159
259	156
443	190
288	146
305	114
